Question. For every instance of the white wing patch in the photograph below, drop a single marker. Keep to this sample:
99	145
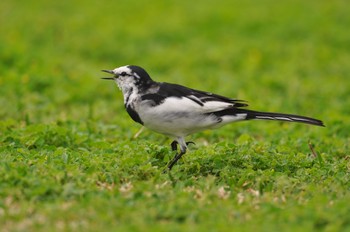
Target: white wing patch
191	104
213	106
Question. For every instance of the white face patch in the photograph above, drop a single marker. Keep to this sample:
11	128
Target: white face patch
125	80
124	69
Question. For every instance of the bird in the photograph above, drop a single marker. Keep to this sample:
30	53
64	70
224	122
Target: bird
178	111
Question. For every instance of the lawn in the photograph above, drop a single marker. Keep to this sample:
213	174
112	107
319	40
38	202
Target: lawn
69	159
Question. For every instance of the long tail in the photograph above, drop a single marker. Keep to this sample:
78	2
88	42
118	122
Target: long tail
280	117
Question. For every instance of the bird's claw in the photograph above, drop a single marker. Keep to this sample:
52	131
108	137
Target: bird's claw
175	143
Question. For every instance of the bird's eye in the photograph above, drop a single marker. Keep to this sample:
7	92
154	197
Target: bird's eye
123	74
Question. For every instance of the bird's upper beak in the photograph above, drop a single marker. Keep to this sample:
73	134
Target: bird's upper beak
110	72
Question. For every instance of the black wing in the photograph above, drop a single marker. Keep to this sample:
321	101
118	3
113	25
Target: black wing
200	97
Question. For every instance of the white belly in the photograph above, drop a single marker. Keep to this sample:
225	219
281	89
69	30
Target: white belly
176	123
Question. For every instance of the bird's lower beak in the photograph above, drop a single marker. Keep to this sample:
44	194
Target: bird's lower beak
110	72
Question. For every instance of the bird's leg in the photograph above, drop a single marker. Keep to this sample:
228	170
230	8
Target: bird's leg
176	158
183	148
174	144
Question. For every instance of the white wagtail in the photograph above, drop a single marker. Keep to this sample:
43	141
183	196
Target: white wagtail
177	111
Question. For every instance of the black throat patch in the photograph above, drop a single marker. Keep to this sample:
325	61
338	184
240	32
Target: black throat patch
133	114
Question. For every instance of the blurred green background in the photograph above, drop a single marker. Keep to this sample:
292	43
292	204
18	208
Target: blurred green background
288	56
65	137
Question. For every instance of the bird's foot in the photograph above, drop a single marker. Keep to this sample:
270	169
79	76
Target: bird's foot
175	143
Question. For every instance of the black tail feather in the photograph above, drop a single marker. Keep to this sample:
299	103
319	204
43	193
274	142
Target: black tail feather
280	117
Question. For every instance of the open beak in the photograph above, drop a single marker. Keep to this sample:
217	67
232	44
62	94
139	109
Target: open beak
110	72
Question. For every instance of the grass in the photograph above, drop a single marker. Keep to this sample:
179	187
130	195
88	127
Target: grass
68	157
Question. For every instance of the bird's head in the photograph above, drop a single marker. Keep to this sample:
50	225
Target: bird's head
129	77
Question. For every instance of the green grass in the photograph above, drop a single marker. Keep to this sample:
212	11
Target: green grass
68	157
